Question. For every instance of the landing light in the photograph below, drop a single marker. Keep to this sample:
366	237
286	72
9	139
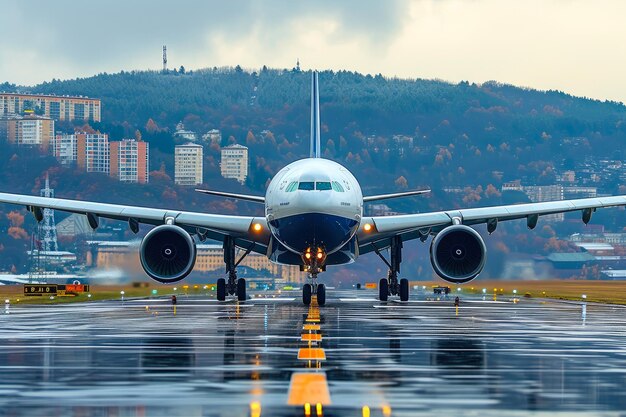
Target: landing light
257	227
320	255
367	227
308	255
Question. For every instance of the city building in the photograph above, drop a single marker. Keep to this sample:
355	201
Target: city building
209	258
30	130
212	136
59	108
92	152
541	193
234	162
570	193
130	160
64	148
538	194
188	164
181	133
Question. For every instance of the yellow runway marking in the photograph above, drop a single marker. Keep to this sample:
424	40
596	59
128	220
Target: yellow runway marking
308	388
311	337
311	354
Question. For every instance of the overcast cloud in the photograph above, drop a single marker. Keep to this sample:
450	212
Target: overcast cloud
572	45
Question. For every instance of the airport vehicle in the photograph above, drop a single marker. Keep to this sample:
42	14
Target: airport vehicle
313	218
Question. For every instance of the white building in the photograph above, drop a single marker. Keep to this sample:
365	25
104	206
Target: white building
181	133
188	164
234	163
64	148
212	136
541	193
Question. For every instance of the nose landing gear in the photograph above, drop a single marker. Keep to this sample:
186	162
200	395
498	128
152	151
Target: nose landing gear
314	264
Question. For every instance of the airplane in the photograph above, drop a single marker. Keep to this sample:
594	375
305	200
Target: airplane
313	219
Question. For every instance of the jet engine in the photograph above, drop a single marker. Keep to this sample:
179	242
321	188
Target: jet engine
458	254
167	253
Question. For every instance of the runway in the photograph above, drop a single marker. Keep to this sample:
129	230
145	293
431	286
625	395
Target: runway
353	357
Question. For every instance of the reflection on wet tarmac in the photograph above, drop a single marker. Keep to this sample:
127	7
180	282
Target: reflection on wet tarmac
277	358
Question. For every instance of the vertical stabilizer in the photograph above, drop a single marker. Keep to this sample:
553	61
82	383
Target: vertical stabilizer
315	117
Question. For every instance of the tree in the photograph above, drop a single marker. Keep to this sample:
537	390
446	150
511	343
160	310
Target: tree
181	69
401	183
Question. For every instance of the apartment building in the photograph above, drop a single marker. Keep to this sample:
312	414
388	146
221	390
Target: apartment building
60	108
188	164
130	160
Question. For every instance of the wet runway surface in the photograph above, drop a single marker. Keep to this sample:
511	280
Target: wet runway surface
353	357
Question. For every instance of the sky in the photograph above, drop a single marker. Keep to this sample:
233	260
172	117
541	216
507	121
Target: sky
576	46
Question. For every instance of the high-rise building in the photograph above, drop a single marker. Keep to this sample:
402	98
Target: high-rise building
56	107
31	130
234	163
129	160
64	149
92	152
188	164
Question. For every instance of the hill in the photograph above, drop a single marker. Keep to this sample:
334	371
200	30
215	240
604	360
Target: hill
391	133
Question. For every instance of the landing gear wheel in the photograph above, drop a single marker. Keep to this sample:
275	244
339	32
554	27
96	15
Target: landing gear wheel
404	289
321	294
383	289
306	294
221	289
241	289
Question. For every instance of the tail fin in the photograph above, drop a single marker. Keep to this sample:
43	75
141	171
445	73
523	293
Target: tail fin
315	117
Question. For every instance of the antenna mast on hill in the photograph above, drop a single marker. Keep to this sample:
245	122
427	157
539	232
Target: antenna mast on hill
164	58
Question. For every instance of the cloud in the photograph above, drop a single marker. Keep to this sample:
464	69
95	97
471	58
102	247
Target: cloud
67	37
570	45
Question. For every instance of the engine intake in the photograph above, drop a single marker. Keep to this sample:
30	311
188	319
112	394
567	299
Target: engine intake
167	253
458	254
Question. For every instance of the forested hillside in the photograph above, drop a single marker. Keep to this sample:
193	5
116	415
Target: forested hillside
462	133
465	135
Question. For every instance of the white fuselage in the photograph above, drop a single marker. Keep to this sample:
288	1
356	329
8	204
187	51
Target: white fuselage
314	203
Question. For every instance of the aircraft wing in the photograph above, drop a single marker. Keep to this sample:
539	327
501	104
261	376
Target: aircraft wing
212	226
415	226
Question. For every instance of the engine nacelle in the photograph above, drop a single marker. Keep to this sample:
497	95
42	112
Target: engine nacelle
167	253
458	254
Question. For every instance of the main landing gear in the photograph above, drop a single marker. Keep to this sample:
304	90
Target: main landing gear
390	285
314	264
234	286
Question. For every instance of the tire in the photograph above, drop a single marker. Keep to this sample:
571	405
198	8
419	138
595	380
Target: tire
306	294
404	289
321	294
241	289
221	289
383	289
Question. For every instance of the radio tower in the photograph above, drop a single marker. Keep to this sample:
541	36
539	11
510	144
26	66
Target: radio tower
164	59
48	229
44	241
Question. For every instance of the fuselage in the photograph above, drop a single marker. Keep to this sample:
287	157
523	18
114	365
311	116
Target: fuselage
313	204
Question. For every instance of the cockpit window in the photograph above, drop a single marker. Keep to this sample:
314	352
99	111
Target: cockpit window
337	187
291	187
322	186
306	185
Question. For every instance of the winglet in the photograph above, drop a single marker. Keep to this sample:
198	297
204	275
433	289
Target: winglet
394	195
315	117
